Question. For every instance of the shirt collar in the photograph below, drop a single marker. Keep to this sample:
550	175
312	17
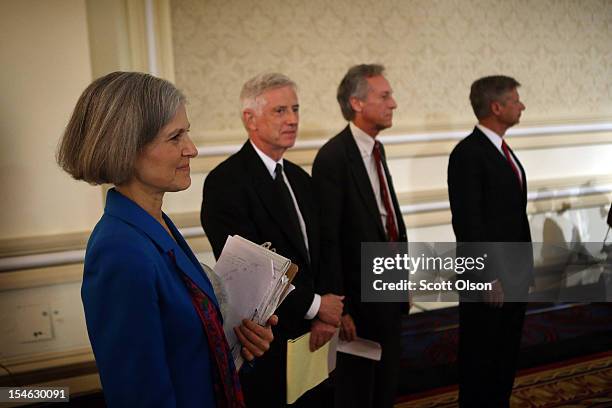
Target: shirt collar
492	136
365	142
267	161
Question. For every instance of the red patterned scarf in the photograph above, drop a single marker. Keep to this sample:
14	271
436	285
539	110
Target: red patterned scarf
228	391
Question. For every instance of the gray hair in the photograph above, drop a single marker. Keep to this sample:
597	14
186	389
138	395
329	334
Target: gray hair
355	84
115	117
250	96
489	89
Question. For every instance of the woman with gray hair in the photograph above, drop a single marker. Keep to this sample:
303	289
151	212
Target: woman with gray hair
152	316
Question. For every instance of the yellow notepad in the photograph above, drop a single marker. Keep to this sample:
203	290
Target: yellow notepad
305	369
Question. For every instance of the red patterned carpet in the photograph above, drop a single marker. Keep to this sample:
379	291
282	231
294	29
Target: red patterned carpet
583	382
551	333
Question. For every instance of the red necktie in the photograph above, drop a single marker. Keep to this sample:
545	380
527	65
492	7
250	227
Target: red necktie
392	233
506	151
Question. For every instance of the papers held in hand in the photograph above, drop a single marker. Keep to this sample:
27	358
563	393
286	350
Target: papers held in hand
361	348
254	281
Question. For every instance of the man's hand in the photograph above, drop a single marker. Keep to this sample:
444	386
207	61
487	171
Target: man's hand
255	339
495	297
348	331
331	309
320	333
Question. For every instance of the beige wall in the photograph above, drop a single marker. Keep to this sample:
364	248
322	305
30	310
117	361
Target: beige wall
560	50
44	56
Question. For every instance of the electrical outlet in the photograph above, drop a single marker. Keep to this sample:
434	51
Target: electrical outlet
33	323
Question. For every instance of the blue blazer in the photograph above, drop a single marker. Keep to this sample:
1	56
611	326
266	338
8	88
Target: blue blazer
149	343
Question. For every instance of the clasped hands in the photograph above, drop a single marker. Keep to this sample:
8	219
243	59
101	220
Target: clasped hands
255	339
327	321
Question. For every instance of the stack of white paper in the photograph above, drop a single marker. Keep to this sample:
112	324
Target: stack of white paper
362	348
254	281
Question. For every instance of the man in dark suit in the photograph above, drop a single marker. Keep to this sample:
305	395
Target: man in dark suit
358	204
488	196
260	196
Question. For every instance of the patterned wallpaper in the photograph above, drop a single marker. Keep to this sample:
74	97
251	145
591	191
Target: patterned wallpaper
560	50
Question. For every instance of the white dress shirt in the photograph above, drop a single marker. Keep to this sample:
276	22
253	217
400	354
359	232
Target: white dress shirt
271	166
365	144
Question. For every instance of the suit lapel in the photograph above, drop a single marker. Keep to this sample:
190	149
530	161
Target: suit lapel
269	196
502	162
178	251
186	261
362	180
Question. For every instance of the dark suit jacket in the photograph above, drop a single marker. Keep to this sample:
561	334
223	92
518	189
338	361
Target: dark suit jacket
350	216
240	198
148	340
488	203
